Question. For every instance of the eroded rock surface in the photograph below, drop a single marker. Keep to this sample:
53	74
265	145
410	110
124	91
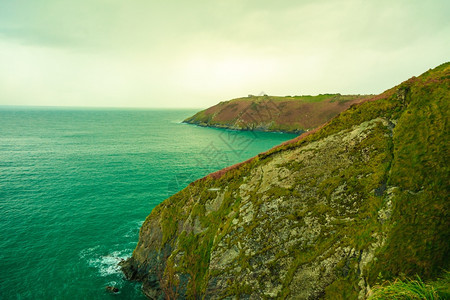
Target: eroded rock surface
326	216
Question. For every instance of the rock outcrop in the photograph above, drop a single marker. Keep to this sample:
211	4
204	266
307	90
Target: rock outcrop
271	113
111	289
327	215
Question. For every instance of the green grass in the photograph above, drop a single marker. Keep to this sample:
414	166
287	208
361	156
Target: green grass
411	289
442	285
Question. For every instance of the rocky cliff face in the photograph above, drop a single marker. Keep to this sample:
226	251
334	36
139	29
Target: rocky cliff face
271	113
362	199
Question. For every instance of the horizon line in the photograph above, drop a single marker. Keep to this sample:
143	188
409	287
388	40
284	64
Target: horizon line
93	107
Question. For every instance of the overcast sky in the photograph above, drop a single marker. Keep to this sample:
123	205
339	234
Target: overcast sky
197	53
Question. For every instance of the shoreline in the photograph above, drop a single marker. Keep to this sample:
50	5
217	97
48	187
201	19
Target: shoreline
257	129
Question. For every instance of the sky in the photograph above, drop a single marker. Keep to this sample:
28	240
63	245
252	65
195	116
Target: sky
194	54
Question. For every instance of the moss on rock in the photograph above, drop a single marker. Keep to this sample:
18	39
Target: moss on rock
363	199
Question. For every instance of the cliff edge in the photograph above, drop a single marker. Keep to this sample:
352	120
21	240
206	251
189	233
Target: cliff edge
327	215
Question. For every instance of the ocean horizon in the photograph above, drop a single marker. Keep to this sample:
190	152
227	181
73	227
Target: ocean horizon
76	183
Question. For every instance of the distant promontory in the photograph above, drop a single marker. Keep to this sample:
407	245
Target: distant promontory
274	113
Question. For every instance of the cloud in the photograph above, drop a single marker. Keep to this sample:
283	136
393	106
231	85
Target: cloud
194	54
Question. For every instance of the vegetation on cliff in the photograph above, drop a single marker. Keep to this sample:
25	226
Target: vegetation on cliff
271	113
413	289
331	214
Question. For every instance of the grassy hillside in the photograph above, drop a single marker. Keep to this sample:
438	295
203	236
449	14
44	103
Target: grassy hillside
271	113
361	200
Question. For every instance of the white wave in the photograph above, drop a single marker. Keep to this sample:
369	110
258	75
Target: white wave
109	264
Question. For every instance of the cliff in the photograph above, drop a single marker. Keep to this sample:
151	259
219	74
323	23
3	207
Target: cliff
271	113
329	214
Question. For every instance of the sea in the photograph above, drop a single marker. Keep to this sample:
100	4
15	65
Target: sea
76	184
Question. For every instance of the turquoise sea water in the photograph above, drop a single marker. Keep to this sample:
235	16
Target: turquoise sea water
76	184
